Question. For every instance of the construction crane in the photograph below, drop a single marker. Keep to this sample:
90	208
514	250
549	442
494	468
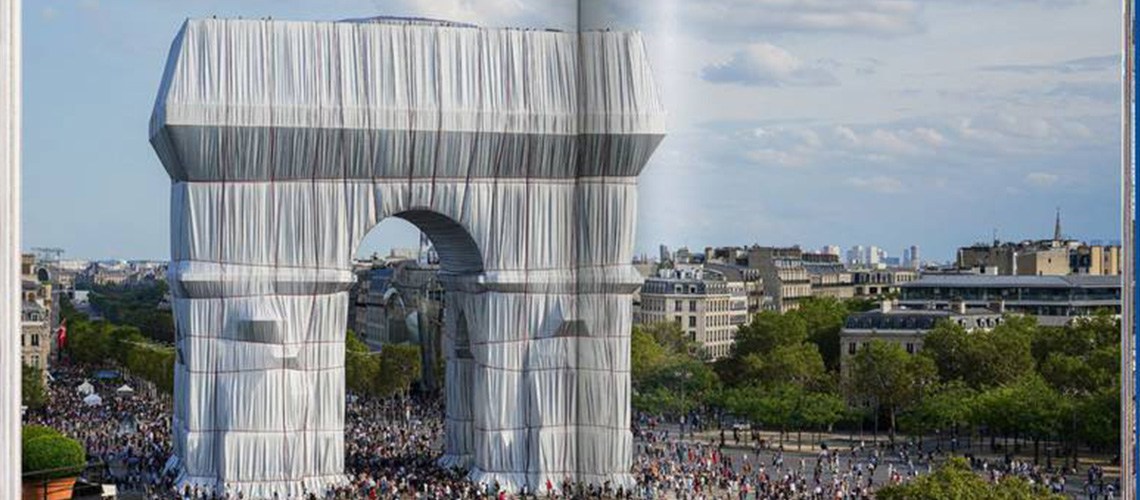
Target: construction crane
48	254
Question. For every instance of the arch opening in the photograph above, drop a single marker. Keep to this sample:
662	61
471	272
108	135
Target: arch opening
400	299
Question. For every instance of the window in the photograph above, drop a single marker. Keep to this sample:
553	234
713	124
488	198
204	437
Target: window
910	348
35	340
692	321
677	306
851	348
678	318
692	306
23	339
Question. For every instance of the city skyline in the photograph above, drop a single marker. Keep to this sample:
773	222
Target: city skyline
863	124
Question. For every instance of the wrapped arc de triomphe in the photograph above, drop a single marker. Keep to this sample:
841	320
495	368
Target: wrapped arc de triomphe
515	151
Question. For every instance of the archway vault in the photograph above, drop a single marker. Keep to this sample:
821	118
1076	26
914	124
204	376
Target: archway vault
516	151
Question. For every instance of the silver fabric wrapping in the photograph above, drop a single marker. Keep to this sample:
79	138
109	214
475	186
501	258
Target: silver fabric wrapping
515	151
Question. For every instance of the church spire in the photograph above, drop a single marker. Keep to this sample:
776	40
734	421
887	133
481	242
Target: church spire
1057	226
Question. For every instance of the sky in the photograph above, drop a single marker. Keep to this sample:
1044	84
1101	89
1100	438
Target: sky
815	122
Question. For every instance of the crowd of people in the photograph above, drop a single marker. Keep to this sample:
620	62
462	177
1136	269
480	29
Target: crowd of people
393	446
695	469
126	435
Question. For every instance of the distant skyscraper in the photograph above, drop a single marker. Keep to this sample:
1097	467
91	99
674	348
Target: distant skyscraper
872	256
915	260
856	255
663	254
831	250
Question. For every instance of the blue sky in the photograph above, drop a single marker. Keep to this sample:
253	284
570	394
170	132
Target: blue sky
885	122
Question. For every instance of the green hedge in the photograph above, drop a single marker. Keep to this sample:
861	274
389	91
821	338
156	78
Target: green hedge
57	455
31	432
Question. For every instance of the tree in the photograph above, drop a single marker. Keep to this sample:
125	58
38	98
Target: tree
799	364
646	355
679	386
670	337
948	345
1082	357
824	317
982	358
666	374
1006	351
768	330
32	387
1099	421
137	306
755	344
775	407
1037	409
955	480
152	362
785	407
400	366
361	369
820	411
90	342
946	407
884	374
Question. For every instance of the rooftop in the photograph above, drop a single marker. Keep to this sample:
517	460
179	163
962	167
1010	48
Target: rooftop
918	319
994	281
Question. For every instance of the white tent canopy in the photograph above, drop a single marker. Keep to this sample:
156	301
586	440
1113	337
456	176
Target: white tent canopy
93	400
124	390
85	388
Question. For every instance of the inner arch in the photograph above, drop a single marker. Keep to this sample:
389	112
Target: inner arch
457	250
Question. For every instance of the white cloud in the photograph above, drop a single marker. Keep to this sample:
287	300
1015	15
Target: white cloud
745	19
1041	179
1110	62
886	142
768	156
766	65
877	184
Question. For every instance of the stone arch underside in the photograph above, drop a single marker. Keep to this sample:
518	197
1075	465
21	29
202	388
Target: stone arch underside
515	151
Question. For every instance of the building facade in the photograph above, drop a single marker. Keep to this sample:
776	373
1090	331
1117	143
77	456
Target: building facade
707	307
905	327
1095	259
871	283
749	278
1043	262
1046	257
828	276
35	336
786	280
36	304
1053	300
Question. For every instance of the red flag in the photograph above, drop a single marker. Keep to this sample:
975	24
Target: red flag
61	334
